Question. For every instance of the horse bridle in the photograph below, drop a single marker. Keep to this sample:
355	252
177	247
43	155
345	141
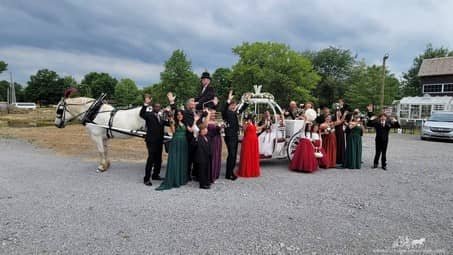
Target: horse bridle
62	109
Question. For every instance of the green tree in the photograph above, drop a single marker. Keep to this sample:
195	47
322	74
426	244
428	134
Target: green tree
221	81
283	72
364	86
45	86
3	66
4	86
126	92
69	81
334	65
411	84
157	92
20	93
94	84
177	77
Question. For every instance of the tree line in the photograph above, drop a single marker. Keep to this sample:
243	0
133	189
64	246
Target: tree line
320	76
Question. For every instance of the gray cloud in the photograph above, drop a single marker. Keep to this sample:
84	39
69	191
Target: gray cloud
134	38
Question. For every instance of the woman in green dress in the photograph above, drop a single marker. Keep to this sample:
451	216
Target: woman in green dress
353	154
176	174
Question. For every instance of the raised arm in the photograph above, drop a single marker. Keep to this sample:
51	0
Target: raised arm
146	103
371	122
172	101
226	105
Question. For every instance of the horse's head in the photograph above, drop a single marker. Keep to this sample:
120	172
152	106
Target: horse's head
63	115
69	109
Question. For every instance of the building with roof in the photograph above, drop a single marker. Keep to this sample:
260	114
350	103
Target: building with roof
436	76
417	109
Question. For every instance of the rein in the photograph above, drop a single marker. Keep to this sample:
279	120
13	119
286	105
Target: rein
62	109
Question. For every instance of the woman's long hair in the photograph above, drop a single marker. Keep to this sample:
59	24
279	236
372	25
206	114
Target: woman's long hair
177	122
250	117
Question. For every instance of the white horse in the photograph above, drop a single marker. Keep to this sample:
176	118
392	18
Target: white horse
69	109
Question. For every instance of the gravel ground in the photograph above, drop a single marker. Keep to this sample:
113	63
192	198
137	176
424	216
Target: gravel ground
59	205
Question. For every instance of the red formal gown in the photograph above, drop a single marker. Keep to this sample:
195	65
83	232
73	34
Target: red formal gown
329	143
304	159
322	162
249	164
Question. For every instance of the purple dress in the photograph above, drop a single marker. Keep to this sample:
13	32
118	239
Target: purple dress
216	149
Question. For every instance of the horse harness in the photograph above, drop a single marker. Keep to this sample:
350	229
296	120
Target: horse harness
109	130
90	114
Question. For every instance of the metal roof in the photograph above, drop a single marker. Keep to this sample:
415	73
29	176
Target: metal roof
427	100
436	66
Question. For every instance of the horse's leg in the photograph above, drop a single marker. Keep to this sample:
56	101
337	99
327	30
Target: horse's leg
106	161
98	140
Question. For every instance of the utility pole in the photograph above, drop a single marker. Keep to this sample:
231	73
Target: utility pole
386	56
7	95
13	89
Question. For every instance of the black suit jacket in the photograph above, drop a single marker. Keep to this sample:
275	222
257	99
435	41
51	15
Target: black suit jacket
231	119
154	126
382	131
207	95
203	152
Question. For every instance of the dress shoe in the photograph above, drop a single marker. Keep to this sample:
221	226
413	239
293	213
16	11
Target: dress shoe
233	178
148	183
205	187
157	178
374	166
384	168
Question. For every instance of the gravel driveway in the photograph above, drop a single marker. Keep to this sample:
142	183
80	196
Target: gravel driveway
58	205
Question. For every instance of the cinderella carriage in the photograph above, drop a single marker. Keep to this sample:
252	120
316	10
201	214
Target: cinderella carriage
282	136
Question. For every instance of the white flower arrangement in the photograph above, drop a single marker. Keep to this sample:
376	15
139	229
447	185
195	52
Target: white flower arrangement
257	94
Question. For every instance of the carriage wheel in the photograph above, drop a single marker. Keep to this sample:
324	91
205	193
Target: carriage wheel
292	145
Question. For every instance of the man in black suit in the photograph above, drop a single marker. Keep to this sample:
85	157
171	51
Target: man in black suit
154	139
382	125
229	116
207	93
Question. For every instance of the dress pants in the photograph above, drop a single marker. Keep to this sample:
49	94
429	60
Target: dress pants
381	148
232	147
154	161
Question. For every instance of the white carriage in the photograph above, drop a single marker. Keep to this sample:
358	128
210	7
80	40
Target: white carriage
287	132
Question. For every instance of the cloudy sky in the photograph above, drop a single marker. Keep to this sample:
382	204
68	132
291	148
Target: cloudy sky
134	38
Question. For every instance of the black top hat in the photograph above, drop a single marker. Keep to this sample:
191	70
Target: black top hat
206	75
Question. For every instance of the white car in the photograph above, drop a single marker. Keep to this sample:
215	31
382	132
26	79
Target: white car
25	105
438	126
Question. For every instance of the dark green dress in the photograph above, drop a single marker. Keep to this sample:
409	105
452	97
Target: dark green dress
353	154
176	174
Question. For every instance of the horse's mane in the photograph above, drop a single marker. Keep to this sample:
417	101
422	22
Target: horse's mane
89	100
79	100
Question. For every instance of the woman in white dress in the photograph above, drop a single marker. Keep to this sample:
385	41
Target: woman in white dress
267	137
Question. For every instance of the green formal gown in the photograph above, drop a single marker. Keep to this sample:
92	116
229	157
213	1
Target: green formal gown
353	154
176	174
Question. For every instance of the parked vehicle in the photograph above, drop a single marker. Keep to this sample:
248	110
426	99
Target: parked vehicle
438	126
23	105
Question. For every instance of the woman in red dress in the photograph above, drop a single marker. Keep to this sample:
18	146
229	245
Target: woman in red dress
329	142
249	163
304	159
317	143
